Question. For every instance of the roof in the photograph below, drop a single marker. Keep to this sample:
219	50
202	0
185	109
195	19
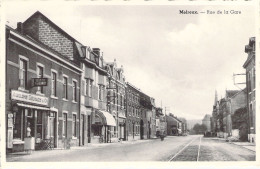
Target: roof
231	93
42	45
38	13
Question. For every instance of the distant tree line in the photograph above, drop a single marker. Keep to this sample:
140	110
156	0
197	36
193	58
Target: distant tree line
199	129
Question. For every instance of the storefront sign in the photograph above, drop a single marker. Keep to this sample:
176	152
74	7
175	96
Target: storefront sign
39	81
27	97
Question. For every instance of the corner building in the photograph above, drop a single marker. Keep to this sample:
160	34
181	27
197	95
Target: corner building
50	111
249	65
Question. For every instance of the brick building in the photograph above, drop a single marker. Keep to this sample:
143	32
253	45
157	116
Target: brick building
116	99
133	109
148	117
249	65
49	112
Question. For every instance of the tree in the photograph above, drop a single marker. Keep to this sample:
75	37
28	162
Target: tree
199	128
240	121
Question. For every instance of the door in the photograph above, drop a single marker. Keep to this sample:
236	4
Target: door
89	138
82	135
141	129
52	129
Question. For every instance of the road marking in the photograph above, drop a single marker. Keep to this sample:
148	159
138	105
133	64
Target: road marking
199	150
181	150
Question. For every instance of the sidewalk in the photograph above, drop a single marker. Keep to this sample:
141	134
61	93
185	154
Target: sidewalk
247	145
10	157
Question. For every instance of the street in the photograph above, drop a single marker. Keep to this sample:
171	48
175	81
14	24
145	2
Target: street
173	148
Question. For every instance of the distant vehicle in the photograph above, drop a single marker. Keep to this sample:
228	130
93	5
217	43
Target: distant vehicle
208	134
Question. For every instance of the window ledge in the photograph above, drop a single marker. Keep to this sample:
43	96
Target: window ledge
74	138
73	101
54	97
39	93
23	89
65	99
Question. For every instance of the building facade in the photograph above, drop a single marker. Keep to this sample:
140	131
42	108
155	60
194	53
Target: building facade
174	125
42	91
234	100
116	103
133	109
94	97
146	115
206	121
249	65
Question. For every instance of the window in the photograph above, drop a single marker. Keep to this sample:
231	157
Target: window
53	84
100	92
249	81
23	73
86	87
64	129
90	87
74	91
65	87
74	128
40	75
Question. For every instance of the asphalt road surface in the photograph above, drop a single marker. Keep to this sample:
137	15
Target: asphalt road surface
173	148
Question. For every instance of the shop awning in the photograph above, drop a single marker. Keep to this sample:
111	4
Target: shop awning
32	106
108	119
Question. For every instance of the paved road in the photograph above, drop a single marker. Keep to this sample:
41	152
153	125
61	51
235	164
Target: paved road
184	148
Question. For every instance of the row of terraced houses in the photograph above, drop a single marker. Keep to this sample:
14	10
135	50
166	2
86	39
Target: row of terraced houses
63	93
234	115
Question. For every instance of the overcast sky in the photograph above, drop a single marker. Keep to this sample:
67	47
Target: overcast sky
180	60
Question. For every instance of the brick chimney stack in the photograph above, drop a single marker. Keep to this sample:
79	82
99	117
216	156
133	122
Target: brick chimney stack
96	51
20	27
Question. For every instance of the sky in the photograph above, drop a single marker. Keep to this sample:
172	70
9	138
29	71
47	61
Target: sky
180	60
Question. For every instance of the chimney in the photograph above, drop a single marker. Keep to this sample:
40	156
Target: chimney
96	51
20	27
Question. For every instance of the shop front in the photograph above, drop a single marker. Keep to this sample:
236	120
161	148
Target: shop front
31	119
103	127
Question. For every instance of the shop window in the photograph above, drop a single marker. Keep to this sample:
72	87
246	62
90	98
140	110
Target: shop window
54	84
39	125
23	73
18	127
74	128
40	75
64	129
65	87
74	91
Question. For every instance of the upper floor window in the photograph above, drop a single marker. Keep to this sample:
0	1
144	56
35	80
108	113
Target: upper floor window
100	92
90	87
86	87
249	81
40	75
74	91
53	83
23	73
65	87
